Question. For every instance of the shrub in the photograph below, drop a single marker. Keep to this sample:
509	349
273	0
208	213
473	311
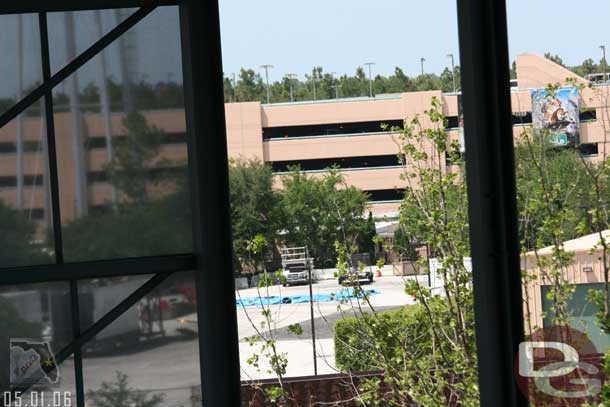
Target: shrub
368	342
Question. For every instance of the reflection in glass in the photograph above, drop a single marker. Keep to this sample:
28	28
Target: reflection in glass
25	215
121	144
99	296
35	323
24	198
149	356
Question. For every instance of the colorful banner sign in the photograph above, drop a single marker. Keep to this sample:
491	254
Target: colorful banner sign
558	114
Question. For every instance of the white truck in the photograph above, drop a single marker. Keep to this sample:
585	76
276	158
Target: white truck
297	266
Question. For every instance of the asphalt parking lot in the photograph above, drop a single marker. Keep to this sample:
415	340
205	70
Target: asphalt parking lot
170	365
299	348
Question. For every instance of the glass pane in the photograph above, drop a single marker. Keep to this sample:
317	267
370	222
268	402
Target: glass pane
152	353
20	46
98	296
346	164
560	114
36	324
121	146
71	33
25	209
24	200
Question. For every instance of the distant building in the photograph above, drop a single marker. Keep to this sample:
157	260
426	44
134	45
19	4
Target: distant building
313	135
586	272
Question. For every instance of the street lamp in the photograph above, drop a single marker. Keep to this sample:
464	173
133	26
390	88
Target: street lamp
422	60
369	64
336	86
313	79
452	71
266	67
291	77
603	48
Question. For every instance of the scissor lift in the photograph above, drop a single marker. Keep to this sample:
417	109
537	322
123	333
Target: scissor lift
297	265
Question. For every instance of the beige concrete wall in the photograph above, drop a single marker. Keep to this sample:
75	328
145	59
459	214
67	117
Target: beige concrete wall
535	71
244	130
384	208
245	122
329	147
573	274
365	179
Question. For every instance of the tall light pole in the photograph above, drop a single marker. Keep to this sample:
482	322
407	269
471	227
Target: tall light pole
422	60
291	77
336	86
452	71
78	147
19	123
266	67
234	88
313	80
369	64
105	100
603	48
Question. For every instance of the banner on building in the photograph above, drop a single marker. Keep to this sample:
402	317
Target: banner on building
558	114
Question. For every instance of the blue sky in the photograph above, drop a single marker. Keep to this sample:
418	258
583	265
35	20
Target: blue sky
342	34
338	35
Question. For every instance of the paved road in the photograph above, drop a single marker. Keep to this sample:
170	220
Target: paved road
299	349
170	365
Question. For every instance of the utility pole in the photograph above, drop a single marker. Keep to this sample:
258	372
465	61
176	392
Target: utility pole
603	48
313	78
126	62
266	67
19	123
453	71
105	100
422	60
336	86
80	173
291	77
234	88
369	64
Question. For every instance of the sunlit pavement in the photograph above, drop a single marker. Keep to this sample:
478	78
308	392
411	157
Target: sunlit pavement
299	348
171	365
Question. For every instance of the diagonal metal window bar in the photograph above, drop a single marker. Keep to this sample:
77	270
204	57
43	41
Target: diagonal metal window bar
75	64
51	146
98	327
45	91
37	6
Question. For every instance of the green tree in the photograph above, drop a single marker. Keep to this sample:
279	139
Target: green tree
250	86
18	240
436	366
555	58
119	394
133	157
14	326
365	238
255	208
320	211
161	226
141	223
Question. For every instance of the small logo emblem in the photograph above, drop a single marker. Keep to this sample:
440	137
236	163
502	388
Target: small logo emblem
559	365
32	362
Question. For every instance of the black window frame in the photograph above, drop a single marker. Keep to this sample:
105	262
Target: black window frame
495	251
208	165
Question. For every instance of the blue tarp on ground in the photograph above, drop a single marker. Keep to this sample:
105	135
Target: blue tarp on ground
344	294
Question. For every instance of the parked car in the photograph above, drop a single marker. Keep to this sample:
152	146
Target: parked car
357	275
